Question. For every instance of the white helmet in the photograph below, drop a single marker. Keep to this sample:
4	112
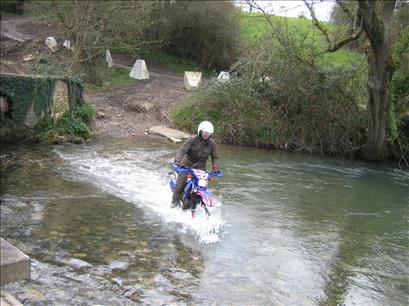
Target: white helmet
206	127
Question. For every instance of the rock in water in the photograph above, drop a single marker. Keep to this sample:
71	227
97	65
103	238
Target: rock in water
118	265
78	264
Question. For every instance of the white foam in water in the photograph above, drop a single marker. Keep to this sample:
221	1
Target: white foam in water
129	175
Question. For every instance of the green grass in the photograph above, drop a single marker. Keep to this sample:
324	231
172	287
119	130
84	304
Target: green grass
254	26
42	9
344	58
117	78
8	14
176	64
173	63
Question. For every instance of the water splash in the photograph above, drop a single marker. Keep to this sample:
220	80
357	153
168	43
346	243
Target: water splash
136	176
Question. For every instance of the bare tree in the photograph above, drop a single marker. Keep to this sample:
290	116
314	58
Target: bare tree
94	26
86	23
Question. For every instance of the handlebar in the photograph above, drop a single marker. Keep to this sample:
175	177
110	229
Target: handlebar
185	170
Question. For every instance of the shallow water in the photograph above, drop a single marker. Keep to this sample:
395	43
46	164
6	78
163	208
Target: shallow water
287	229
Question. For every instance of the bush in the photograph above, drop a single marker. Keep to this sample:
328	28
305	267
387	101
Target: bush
232	107
12	6
85	113
398	119
275	99
206	32
70	127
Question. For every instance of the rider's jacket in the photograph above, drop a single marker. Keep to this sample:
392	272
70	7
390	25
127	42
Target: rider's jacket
195	152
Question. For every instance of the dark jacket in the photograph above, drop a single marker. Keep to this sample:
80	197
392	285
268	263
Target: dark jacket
195	152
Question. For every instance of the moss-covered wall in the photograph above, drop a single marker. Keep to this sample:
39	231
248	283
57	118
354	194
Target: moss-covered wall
31	98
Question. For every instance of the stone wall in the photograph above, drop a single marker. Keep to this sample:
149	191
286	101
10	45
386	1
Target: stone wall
61	102
25	99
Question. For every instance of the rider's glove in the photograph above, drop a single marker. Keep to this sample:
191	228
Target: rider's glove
215	168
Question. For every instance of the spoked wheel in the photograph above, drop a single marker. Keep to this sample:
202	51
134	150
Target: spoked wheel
205	208
185	204
192	203
189	203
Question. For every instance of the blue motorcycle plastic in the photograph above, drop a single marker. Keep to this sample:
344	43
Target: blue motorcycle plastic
195	192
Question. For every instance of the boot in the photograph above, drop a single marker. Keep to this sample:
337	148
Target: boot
186	203
174	203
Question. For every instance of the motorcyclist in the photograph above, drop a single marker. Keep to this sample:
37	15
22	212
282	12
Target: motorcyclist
194	154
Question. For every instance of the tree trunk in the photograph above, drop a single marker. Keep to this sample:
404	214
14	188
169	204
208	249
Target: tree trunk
379	77
375	21
374	17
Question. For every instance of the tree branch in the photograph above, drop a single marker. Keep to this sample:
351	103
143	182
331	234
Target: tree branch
345	9
333	46
276	32
339	44
319	25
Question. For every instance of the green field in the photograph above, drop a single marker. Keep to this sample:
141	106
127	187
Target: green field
254	25
117	78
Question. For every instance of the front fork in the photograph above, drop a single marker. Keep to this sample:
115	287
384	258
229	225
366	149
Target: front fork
194	200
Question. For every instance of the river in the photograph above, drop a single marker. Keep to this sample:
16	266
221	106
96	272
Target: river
287	229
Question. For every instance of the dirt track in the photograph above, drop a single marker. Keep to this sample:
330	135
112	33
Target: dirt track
21	36
121	120
10	25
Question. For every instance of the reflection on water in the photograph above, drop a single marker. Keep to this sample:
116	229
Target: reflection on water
289	229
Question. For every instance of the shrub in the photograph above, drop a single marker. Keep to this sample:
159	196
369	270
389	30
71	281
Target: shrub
232	107
71	126
206	32
43	59
275	99
12	6
398	119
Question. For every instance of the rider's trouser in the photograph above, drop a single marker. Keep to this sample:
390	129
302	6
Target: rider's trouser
180	185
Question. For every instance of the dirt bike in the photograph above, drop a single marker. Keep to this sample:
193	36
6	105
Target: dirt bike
195	192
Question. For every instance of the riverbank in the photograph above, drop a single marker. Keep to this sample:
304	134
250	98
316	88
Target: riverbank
22	47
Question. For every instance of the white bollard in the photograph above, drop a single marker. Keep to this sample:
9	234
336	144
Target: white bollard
139	71
4	105
67	44
109	59
223	76
51	43
192	80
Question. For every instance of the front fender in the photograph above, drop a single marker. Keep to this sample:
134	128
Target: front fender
206	197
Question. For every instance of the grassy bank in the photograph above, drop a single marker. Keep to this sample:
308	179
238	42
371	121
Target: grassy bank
115	78
255	25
